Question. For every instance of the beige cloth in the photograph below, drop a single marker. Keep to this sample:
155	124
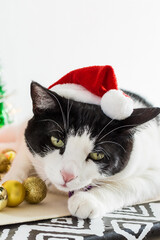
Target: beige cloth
52	206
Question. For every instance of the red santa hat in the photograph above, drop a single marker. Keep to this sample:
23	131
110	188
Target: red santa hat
98	85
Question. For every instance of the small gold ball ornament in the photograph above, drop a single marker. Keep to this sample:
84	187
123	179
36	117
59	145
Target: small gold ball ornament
10	155
3	198
36	189
4	163
7	150
16	192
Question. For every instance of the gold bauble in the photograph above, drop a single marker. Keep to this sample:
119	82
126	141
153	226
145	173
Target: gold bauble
36	190
3	198
10	155
4	163
7	150
16	192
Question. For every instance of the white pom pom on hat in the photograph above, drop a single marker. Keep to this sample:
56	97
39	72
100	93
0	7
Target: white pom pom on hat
101	82
116	105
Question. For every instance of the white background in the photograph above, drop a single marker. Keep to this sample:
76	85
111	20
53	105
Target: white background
42	40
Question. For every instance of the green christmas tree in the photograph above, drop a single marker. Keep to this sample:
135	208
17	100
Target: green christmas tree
4	115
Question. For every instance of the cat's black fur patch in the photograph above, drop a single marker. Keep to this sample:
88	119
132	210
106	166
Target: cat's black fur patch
115	141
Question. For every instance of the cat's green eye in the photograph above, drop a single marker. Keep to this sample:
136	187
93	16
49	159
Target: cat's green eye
57	142
96	156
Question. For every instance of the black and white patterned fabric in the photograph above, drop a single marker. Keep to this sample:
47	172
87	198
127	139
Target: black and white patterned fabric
131	223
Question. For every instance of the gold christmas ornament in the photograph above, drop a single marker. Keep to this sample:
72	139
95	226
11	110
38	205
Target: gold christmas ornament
7	150
3	198
10	155
6	158
36	190
4	163
16	192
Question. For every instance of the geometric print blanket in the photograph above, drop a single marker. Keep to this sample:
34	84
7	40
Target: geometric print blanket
131	223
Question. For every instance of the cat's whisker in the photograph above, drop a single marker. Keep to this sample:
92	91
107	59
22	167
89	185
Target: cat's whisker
102	150
124	126
39	167
113	188
94	184
51	120
105	127
30	146
112	143
46	148
43	181
68	112
108	180
63	115
42	174
108	184
55	131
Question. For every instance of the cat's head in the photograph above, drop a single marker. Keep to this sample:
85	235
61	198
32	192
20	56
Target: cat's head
76	144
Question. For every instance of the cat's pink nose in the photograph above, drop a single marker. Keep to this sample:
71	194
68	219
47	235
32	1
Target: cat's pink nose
67	177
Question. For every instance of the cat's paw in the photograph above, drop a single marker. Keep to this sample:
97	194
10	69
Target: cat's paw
85	205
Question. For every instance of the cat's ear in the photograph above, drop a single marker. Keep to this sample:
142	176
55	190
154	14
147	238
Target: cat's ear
140	116
42	98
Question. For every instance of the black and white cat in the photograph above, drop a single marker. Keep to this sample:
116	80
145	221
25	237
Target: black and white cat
107	164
